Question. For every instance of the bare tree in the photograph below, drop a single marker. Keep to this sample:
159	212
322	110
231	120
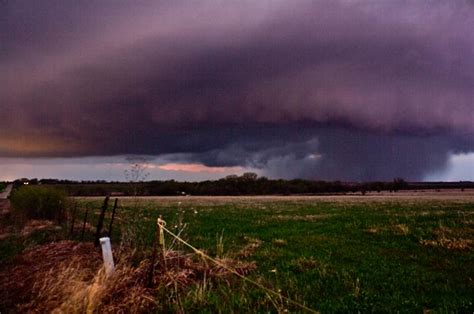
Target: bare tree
137	172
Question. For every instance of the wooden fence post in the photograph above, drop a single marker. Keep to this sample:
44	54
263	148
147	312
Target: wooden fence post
112	219
158	239
151	270
84	224
100	223
71	231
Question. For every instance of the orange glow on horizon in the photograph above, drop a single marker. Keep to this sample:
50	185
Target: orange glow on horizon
198	168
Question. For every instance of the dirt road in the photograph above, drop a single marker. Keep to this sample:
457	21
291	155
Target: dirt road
4	201
6	192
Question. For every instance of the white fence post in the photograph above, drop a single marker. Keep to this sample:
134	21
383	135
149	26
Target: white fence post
107	256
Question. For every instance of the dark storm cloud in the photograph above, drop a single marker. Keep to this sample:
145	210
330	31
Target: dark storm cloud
330	89
341	153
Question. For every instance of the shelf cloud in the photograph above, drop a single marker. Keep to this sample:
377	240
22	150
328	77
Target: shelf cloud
350	90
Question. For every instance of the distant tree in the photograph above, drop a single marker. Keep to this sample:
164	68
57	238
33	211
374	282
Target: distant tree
399	184
249	176
231	177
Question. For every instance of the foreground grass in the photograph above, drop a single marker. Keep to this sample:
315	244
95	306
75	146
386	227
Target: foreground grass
398	256
333	257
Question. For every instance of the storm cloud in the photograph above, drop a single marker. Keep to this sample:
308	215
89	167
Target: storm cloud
353	90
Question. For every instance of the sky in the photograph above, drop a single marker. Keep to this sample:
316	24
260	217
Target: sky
332	90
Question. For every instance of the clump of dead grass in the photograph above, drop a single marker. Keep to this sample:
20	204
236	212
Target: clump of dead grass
372	230
279	242
401	229
303	264
453	239
249	249
452	244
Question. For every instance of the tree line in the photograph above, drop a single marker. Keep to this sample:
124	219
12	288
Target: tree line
246	184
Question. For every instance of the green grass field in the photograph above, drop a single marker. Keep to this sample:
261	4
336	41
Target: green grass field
383	256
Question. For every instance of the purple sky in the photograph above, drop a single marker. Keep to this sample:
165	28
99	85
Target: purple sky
350	90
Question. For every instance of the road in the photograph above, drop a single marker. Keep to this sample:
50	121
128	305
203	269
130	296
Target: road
6	192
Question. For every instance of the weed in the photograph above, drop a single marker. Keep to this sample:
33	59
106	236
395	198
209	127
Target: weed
220	244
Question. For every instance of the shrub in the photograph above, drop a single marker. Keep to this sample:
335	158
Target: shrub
37	202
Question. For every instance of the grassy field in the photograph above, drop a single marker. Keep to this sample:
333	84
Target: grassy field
378	253
333	256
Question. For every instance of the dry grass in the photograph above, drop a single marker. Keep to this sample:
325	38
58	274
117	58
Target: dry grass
42	277
452	195
300	217
68	277
452	244
37	225
400	229
31	226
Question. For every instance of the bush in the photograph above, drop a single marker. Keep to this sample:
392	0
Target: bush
37	202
